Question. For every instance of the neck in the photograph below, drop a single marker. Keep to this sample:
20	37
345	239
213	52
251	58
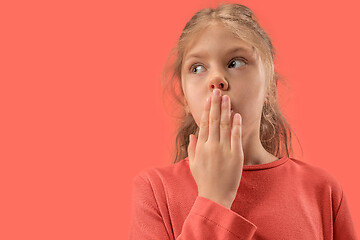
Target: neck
254	152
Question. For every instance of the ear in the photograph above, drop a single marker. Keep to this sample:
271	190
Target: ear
187	109
186	106
266	98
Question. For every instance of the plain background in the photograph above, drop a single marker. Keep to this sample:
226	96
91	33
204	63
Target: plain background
82	111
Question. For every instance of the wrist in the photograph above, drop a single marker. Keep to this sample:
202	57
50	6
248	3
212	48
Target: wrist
224	202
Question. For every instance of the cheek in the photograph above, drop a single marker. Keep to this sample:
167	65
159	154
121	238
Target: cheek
252	108
196	109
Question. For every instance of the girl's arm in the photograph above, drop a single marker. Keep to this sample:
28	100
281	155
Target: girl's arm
343	224
206	219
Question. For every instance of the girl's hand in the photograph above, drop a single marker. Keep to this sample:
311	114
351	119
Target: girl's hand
216	159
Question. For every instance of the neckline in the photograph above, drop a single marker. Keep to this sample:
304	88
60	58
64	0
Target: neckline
272	164
264	166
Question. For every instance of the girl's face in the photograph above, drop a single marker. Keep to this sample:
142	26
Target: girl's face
217	59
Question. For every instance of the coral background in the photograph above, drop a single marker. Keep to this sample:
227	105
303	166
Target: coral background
82	110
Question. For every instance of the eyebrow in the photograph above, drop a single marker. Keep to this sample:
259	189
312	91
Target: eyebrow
232	50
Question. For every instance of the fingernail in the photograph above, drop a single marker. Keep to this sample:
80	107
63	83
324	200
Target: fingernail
216	92
224	98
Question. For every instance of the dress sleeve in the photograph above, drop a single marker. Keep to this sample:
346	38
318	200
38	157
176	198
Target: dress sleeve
206	220
343	224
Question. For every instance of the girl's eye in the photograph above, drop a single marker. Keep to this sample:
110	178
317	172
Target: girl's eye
196	69
235	63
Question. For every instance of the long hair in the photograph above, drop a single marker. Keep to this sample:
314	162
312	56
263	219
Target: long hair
275	131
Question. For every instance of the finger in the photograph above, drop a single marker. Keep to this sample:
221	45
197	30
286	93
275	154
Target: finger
214	118
236	133
204	122
225	124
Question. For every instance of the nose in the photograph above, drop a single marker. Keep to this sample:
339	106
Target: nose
218	81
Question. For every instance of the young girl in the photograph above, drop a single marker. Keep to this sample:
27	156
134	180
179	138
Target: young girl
230	179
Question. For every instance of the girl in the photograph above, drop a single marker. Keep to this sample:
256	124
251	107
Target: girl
230	179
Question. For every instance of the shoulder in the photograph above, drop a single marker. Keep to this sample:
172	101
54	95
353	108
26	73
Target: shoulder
164	172
162	176
316	176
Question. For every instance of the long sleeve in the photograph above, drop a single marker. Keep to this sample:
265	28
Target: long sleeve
210	220
343	224
206	219
283	199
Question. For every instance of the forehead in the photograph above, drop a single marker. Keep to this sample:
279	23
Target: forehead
216	38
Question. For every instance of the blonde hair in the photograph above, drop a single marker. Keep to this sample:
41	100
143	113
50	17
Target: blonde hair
275	132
